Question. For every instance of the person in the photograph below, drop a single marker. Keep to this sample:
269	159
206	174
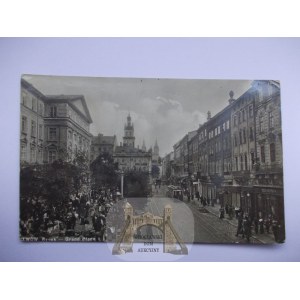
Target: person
247	228
275	230
226	208
204	201
240	224
222	211
268	224
261	225
256	225
198	195
236	210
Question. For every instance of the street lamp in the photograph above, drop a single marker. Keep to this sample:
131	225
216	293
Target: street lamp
122	183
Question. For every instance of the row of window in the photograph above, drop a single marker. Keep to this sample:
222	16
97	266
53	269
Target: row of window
241	138
33	103
261	121
241	116
217	130
272	153
36	155
33	128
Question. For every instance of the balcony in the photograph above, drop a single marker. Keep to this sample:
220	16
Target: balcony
268	168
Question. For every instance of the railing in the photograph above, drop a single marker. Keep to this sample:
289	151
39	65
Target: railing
268	168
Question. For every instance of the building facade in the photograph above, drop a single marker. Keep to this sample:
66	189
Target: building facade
53	127
236	156
103	144
127	156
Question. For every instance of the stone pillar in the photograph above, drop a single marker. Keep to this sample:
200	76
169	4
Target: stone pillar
169	238
128	237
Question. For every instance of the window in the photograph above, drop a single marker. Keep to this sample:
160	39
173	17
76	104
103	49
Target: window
51	156
240	117
24	124
227	124
216	131
241	137
244	134
252	158
40	131
23	152
33	128
52	133
244	117
234	120
246	162
251	111
251	136
262	154
41	109
242	165
24	98
32	155
235	141
34	104
224	126
271	119
272	152
261	122
236	163
53	111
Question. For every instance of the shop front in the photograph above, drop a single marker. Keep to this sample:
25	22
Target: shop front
269	201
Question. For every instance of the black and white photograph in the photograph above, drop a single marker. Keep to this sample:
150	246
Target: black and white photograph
150	160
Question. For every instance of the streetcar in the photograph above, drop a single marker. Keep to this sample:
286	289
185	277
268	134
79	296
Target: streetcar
175	192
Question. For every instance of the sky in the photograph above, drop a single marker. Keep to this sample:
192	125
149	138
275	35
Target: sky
162	109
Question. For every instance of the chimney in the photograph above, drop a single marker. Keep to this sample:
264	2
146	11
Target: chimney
208	115
231	100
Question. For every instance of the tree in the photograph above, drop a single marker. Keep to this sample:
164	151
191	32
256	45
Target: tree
155	171
104	171
136	184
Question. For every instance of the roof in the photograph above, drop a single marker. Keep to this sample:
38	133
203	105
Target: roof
104	139
125	150
77	102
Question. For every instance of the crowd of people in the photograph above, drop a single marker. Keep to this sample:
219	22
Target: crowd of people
80	215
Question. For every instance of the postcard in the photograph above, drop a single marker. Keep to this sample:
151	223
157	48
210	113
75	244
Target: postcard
151	161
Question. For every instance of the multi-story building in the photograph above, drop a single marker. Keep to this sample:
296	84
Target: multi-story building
32	135
59	126
103	144
267	197
127	156
215	153
236	155
181	158
243	149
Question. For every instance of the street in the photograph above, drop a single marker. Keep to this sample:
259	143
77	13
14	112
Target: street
192	225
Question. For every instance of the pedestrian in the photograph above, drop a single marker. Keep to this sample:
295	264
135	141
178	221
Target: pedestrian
261	226
247	228
275	230
226	208
268	224
240	224
256	225
221	215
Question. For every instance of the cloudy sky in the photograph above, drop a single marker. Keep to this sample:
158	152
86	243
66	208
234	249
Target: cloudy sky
165	109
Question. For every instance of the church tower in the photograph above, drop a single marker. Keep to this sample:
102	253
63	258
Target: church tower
144	146
155	153
128	138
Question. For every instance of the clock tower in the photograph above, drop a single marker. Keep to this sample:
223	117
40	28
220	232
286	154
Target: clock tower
129	139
